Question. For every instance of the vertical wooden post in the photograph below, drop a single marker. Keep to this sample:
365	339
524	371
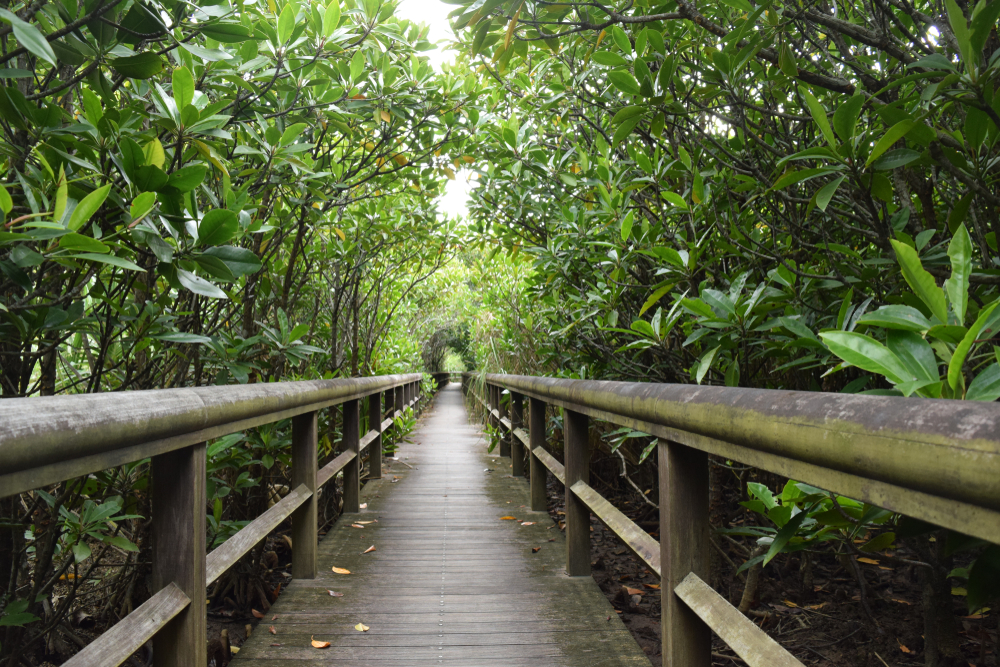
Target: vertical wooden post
398	397
684	548
178	507
352	472
375	424
304	518
577	452
516	422
536	436
505	435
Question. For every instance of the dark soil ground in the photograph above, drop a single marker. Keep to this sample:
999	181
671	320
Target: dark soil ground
824	626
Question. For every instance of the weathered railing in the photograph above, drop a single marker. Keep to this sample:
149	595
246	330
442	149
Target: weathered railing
934	460
47	440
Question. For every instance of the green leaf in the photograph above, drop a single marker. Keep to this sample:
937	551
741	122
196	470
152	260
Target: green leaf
292	133
786	533
181	337
786	61
624	130
983	21
183	87
109	259
81	243
88	206
819	116
628	112
867	354
286	23
240	261
627	226
624	82
963	348
227	33
6	203
675	199
986	386
905	318
705	364
568	179
143	66
895	133
188	178
794	176
845	118
331	18
28	36
357	65
609	59
825	194
621	39
217	227
655	297
915	353
199	285
899	157
878	543
81	552
957	286
921	282
963	36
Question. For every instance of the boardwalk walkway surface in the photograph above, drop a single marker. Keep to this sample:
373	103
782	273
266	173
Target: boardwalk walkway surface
449	582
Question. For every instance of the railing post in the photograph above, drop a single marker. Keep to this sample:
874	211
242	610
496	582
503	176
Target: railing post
352	472
536	436
375	424
304	518
178	508
516	422
576	448
505	437
397	394
684	548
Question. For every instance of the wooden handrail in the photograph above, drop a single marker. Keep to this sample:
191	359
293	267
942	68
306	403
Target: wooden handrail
931	459
48	440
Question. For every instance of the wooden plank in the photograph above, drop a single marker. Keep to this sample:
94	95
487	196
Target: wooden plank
550	462
46	440
327	472
684	529
127	636
536	441
304	462
634	537
230	551
178	518
367	439
741	634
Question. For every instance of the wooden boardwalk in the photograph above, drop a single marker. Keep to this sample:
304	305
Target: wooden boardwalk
449	582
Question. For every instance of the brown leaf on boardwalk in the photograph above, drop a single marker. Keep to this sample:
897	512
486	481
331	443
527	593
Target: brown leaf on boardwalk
317	644
274	618
527	523
256	614
354	525
633	591
508	518
655	587
361	627
369	549
272	630
365	523
535	550
334	594
275	644
363	506
340	570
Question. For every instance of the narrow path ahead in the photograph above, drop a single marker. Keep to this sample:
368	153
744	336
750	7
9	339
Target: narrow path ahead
449	582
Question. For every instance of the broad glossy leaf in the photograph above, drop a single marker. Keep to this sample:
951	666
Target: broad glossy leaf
867	354
120	262
921	282
143	66
957	286
609	59
894	134
986	385
81	243
217	227
962	349
199	285
188	178
183	87
88	206
624	82
905	318
28	36
239	260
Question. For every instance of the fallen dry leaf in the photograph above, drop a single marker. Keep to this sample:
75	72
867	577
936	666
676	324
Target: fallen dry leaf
272	630
334	594
789	603
361	627
317	644
655	587
275	644
508	518
870	561
340	570
901	647
274	618
365	523
234	649
535	550
633	591
369	549
901	601
354	525
527	523
256	614
363	506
